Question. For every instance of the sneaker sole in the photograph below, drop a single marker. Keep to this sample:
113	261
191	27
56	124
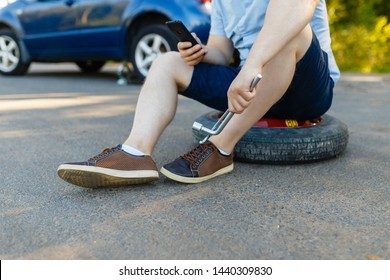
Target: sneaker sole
194	180
98	177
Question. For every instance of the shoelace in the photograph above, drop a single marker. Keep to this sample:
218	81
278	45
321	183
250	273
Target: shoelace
196	155
105	152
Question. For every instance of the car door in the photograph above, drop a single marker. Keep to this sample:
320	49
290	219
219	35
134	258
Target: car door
101	24
52	28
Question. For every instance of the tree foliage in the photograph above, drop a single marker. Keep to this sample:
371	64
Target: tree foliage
360	34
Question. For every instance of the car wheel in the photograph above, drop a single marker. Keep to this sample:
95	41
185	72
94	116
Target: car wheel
11	55
90	66
149	43
282	145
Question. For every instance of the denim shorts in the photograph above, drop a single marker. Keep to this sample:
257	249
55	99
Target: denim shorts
308	96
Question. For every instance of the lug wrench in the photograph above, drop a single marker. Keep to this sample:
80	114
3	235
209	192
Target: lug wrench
223	120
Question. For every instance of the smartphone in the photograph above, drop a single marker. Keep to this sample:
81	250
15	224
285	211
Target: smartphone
181	32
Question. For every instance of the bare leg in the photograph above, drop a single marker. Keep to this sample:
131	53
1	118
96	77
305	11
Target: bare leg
277	76
155	109
157	101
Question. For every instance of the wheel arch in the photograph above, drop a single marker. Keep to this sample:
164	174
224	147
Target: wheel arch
140	21
26	57
4	25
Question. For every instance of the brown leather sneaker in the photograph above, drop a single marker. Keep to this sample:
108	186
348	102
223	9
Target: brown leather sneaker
111	168
202	163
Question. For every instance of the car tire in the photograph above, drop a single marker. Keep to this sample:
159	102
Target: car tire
90	66
150	42
286	145
11	54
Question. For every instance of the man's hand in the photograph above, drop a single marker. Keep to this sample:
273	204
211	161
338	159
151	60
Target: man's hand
239	94
192	55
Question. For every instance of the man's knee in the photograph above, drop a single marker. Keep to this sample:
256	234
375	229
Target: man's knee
167	60
171	64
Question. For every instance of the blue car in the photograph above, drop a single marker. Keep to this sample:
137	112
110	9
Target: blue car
90	32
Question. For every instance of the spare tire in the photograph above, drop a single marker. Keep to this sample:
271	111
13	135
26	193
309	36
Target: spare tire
326	138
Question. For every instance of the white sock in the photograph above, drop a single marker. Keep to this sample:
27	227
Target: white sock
223	152
133	151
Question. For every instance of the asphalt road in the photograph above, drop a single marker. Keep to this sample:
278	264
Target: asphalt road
334	209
